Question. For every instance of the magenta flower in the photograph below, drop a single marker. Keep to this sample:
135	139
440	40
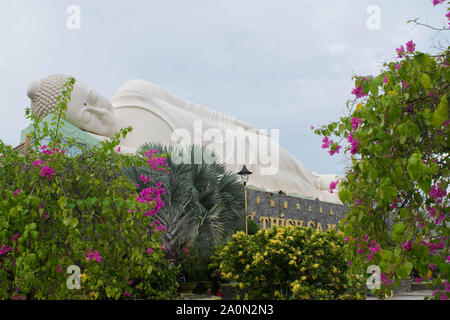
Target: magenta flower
385	80
149	250
436	2
144	179
37	163
93	255
400	52
410	46
358	92
126	294
46	171
59	269
349	263
354	143
444	297
16	192
356	122
333	152
325	143
407	245
333	185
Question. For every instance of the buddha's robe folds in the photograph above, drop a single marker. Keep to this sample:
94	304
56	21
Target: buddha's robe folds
157	116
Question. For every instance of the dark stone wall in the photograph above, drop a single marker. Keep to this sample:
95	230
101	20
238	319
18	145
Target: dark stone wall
268	209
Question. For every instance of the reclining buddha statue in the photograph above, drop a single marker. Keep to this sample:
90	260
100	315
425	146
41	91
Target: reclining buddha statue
160	117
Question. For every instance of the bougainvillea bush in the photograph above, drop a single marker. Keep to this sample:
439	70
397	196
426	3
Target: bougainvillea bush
288	263
60	208
397	184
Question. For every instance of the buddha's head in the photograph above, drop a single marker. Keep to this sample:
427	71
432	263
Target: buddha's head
86	109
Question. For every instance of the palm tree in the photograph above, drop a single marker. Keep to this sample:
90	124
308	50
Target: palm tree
204	204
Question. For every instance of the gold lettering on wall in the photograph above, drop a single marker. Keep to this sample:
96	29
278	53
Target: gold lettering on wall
273	221
331	212
297	206
309	209
270	222
252	215
320	210
272	204
264	220
319	227
285	204
258	201
331	227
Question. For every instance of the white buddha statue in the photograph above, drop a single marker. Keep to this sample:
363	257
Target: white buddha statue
158	116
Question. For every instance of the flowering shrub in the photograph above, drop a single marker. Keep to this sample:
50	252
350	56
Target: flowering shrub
59	208
190	262
396	187
288	263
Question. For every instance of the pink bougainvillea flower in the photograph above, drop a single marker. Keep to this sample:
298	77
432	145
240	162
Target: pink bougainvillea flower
334	151
16	192
37	163
126	294
5	249
354	143
333	185
149	250
325	143
356	122
436	2
385	80
144	179
410	46
407	245
443	297
93	255
59	269
397	66
358	92
400	52
46	171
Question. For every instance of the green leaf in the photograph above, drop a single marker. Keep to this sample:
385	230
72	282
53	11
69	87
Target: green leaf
425	80
405	269
62	202
398	231
441	113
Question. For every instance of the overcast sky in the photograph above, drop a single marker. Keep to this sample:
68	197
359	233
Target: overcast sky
275	64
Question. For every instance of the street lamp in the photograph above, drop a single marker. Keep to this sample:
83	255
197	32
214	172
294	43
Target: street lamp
245	174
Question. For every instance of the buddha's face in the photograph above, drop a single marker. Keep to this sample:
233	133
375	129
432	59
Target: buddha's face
86	110
90	111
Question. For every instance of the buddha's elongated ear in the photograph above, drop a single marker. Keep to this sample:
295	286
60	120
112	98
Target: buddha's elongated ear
33	89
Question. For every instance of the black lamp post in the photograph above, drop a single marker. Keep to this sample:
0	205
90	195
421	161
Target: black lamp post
245	174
